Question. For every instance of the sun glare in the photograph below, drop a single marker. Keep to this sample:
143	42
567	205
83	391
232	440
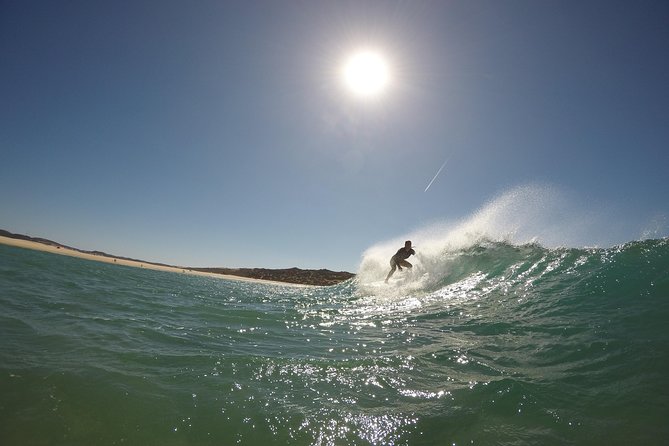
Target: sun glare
366	73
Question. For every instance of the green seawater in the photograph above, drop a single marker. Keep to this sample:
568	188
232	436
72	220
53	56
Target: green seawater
507	345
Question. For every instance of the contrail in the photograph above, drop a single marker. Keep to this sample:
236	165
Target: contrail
437	174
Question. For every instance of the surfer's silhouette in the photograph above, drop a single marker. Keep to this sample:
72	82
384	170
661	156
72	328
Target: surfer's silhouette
399	259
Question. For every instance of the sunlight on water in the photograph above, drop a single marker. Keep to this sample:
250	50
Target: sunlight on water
491	343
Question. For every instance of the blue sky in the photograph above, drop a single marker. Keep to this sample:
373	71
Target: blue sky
214	133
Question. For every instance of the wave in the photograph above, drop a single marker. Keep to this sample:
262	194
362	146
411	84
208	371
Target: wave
525	234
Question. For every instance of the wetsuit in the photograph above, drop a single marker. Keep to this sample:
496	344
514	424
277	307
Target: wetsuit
398	260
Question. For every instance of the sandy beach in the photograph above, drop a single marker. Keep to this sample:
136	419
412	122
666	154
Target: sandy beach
125	262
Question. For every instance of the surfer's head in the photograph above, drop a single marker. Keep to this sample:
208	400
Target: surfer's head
407	244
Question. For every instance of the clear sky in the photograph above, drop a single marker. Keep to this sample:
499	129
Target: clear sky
221	133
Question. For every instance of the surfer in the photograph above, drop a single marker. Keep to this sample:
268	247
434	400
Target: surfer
399	259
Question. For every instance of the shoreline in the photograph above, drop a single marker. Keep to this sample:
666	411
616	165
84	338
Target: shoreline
106	258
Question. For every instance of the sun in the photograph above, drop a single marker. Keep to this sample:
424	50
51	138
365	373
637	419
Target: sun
366	73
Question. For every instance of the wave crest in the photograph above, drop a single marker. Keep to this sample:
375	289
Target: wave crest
525	222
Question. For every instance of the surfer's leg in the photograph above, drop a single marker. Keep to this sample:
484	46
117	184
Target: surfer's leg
393	265
406	264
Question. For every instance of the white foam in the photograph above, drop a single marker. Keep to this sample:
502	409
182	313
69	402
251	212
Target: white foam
524	214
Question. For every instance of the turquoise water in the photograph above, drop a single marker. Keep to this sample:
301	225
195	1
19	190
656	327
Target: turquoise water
503	344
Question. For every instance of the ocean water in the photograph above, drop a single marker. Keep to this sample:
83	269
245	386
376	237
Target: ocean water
502	344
